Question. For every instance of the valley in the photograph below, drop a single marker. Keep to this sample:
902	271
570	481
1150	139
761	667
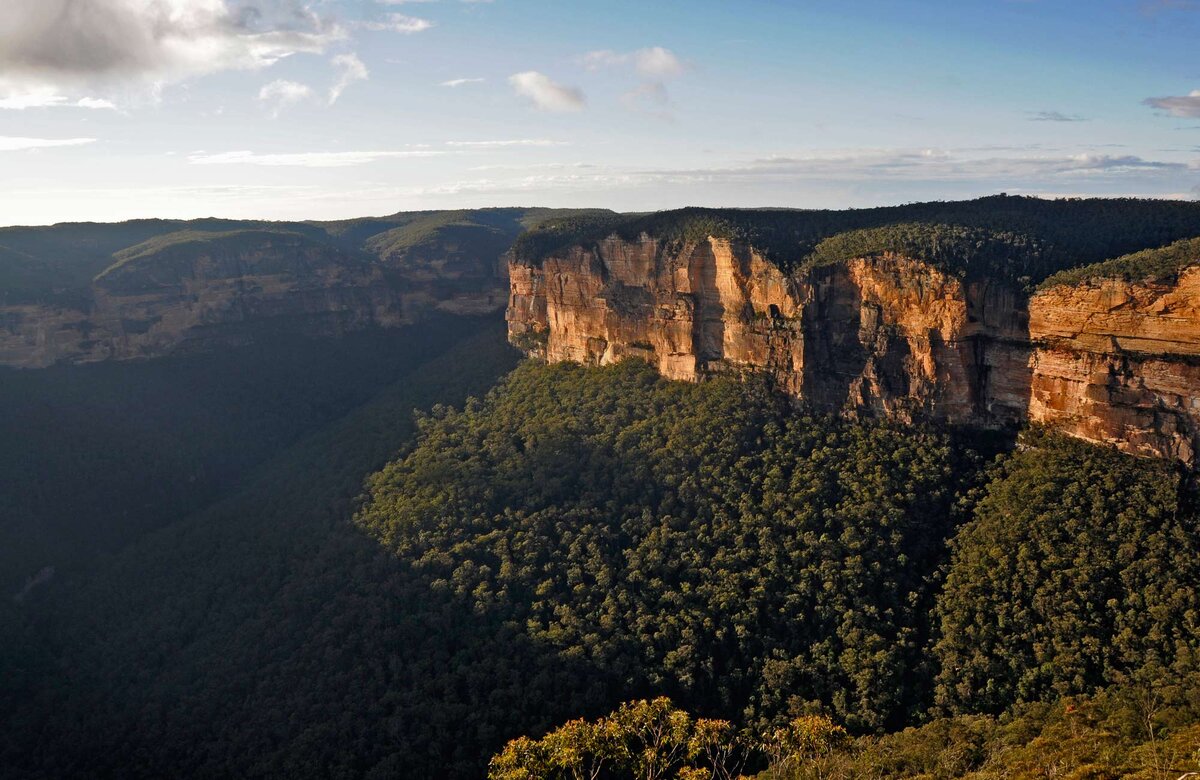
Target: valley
888	493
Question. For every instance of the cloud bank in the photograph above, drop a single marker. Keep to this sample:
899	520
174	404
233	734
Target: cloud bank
305	159
51	48
1182	105
17	144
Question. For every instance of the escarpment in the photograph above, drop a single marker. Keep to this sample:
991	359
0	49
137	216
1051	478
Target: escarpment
83	292
205	290
883	334
1119	362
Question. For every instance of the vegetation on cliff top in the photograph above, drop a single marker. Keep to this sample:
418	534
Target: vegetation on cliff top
486	232
1029	238
1156	265
964	251
206	240
58	263
166	261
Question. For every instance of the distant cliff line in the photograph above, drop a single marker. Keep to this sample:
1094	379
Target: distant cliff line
1111	357
80	293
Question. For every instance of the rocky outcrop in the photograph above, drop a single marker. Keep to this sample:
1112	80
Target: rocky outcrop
876	335
880	335
1119	362
207	290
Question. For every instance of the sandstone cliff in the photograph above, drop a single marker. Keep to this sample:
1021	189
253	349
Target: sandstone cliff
196	290
881	334
81	292
875	335
1119	362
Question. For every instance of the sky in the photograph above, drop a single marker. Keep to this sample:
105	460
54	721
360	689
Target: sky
326	109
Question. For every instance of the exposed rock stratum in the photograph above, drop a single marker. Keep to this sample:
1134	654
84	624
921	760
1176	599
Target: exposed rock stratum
887	335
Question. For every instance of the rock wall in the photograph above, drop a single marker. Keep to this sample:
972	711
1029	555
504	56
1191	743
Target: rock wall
213	296
881	336
1119	362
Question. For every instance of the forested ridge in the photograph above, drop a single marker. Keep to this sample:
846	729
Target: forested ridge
1022	240
57	264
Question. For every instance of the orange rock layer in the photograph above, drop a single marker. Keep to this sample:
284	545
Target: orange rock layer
880	336
1119	362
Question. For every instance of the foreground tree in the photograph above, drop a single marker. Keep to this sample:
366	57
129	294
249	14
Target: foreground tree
652	739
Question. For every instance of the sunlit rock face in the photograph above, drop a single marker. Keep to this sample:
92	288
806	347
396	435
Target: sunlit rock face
880	336
1119	362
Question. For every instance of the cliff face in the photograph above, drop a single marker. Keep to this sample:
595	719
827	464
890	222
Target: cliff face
202	293
882	335
1119	362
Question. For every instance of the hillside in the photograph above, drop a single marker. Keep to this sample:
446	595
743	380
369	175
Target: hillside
700	541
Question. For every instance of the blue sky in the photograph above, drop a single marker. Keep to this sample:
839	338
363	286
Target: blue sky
112	109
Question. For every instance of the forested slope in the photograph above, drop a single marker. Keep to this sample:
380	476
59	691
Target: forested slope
93	456
581	537
230	640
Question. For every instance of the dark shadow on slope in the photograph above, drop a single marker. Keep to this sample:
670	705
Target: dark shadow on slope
266	636
94	456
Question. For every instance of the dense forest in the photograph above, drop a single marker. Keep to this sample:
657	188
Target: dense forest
577	538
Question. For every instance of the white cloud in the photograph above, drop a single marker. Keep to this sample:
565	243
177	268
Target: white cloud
17	144
545	93
657	62
505	143
1181	105
460	82
305	159
281	93
49	99
653	62
76	46
95	103
399	23
352	70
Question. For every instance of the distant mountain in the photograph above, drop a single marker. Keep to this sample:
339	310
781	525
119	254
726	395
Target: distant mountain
84	292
